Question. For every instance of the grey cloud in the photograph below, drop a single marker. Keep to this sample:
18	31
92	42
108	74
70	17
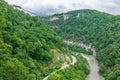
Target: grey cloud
49	7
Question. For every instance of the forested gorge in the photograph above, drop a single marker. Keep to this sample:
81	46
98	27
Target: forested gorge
29	48
100	29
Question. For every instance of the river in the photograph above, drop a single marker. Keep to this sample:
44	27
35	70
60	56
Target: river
93	63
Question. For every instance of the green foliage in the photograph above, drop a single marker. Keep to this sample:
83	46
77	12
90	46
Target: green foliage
25	45
56	77
11	68
79	49
100	29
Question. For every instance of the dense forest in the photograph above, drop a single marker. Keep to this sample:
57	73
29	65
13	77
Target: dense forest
26	45
29	48
91	26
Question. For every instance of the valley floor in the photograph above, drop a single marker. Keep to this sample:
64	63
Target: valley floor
93	63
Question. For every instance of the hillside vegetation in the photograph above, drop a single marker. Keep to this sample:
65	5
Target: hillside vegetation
28	47
100	29
77	71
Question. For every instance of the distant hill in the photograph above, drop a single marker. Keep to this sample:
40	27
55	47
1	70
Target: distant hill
91	26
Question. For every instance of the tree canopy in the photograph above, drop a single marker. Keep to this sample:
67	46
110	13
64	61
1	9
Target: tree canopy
25	45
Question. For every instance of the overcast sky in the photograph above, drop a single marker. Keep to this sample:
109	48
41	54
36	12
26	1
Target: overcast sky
48	7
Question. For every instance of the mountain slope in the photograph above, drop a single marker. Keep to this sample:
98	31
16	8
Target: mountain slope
100	29
29	49
26	45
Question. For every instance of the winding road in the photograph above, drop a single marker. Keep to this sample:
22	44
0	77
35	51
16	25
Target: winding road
64	65
93	63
